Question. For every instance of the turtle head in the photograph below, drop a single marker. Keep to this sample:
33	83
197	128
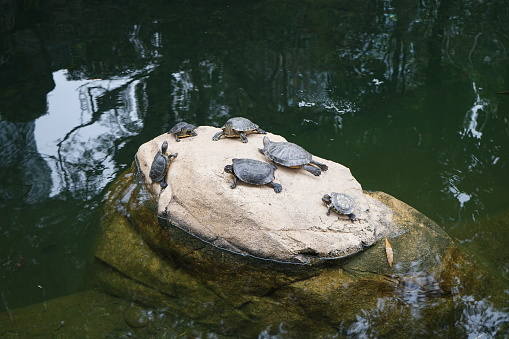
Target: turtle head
228	169
164	147
327	199
228	128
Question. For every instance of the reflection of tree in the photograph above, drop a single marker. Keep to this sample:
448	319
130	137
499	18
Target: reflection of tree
25	72
313	65
7	20
25	176
7	15
295	67
111	111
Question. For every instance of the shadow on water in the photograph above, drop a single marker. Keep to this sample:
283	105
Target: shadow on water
403	93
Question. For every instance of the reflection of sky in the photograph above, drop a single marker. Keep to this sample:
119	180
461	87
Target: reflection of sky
63	113
472	126
77	140
478	318
452	180
471	130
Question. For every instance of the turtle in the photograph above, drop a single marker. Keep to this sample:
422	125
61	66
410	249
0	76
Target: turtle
291	155
160	165
238	127
253	172
183	130
340	203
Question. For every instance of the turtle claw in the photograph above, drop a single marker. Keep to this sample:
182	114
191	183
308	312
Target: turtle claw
323	167
234	183
277	187
313	170
243	137
217	136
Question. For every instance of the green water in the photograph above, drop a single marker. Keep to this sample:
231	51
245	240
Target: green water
404	93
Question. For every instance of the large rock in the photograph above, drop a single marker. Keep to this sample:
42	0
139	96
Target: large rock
166	249
144	258
290	226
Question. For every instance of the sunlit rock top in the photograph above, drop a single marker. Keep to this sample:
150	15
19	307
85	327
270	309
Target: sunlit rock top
288	226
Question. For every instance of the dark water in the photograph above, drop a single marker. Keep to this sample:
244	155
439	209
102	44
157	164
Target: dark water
404	93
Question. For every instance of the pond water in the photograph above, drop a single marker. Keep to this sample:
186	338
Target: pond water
404	93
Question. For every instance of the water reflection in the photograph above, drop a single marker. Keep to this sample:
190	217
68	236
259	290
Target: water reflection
418	295
22	165
472	126
401	92
89	120
479	318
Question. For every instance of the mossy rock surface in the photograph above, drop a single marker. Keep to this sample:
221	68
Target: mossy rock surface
146	258
170	282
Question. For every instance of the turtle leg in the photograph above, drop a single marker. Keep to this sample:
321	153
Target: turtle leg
261	131
323	167
177	139
312	169
328	210
234	182
217	136
173	155
243	137
277	187
193	133
163	184
352	217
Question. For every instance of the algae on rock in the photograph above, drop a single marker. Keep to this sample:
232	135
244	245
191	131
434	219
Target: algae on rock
146	256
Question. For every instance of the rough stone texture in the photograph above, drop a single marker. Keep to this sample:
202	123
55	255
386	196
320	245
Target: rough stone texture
289	226
187	288
199	290
145	259
95	314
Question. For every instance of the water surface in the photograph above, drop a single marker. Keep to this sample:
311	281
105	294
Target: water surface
404	93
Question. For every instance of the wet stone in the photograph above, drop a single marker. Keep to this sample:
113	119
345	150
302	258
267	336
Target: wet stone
166	249
136	317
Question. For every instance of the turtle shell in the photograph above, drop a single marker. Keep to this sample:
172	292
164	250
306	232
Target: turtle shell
159	167
343	203
241	124
286	153
182	126
253	171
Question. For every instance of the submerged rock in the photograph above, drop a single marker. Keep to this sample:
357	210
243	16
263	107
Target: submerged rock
154	252
291	226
